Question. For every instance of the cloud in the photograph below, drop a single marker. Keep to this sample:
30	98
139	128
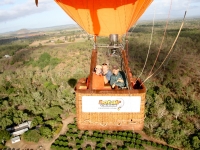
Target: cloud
178	5
15	9
23	9
178	8
4	2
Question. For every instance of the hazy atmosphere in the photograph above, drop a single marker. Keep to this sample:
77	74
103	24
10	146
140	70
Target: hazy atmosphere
19	14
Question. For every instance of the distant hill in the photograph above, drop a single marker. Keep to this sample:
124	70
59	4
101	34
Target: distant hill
22	31
34	30
61	27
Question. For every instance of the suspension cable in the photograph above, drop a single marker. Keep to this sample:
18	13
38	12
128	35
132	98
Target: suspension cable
169	50
133	28
162	40
149	47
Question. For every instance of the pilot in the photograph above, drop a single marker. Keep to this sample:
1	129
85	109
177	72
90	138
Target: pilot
116	80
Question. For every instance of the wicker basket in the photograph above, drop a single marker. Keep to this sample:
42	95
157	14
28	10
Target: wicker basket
110	120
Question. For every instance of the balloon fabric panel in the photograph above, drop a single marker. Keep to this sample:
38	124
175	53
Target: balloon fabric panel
105	17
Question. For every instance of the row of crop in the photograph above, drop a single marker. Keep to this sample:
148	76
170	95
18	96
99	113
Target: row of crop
98	146
75	138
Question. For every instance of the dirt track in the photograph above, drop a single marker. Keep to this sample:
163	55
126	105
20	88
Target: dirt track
45	145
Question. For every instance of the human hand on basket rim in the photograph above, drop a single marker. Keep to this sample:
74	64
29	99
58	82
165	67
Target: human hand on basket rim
120	80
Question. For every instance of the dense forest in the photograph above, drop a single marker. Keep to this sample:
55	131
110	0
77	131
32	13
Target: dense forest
173	96
37	83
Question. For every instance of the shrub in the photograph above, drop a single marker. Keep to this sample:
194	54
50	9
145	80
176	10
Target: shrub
59	128
32	136
50	86
138	142
132	145
44	60
37	120
138	136
4	135
149	143
54	61
46	132
52	112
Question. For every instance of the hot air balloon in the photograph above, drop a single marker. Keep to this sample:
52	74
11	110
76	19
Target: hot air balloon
103	17
107	108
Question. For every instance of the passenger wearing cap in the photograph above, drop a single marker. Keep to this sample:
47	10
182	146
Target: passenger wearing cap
116	79
97	78
106	73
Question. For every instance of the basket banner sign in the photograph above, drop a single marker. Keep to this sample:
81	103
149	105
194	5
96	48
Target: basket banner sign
111	104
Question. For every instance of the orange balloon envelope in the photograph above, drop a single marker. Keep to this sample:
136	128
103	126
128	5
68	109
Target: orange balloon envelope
105	17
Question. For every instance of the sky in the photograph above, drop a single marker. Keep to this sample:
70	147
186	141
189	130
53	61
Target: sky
23	14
